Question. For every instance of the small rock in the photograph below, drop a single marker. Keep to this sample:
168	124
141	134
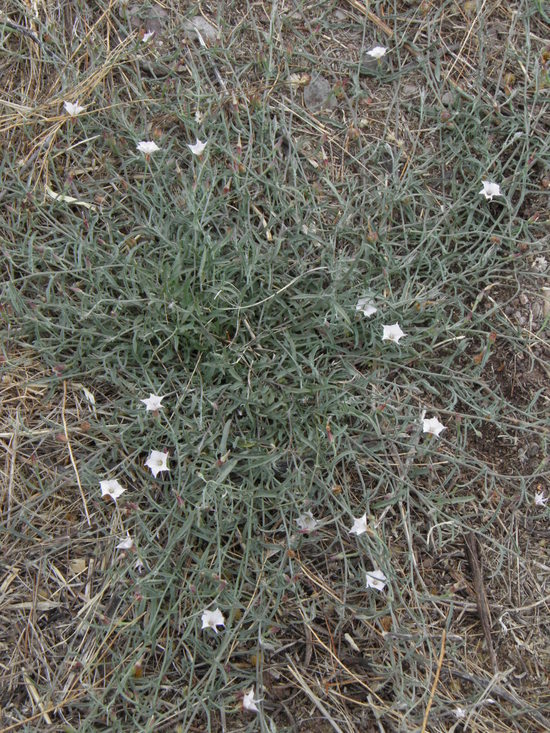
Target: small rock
523	299
371	66
339	14
318	94
207	31
151	18
447	99
410	90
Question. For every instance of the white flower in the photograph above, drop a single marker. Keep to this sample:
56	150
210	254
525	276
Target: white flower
212	619
459	712
540	498
376	579
248	701
540	264
111	488
147	147
306	522
152	403
198	147
367	307
147	36
359	525
377	52
126	544
392	333
432	425
157	462
88	395
489	190
73	109
139	566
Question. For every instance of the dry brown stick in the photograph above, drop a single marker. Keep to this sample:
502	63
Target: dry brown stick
372	17
436	681
312	696
20	29
474	558
499	691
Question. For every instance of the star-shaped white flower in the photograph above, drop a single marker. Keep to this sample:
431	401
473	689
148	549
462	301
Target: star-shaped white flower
392	333
212	619
147	36
377	52
73	109
489	190
366	306
459	712
157	462
126	544
249	703
540	498
377	580
198	147
147	147
432	425
306	522
359	525
152	403
111	488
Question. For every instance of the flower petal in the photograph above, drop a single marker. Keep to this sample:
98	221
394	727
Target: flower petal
376	579
198	147
392	333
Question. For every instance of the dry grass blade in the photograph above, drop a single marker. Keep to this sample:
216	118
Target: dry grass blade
435	682
312	696
73	462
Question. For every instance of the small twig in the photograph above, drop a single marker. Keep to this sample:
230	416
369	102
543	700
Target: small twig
491	686
435	682
309	646
71	454
372	17
474	558
314	699
20	29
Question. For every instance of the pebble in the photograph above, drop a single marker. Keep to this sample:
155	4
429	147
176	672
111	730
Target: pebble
447	99
208	32
372	66
151	19
523	299
318	94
